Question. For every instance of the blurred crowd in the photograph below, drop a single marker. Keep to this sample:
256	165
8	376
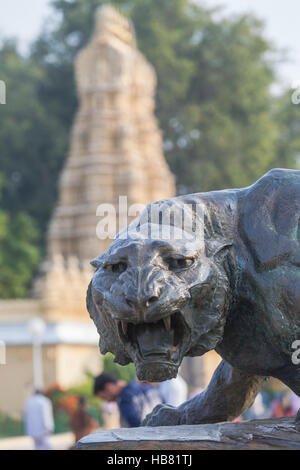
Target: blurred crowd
127	404
266	405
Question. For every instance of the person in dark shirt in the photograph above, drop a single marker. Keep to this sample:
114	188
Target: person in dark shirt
135	400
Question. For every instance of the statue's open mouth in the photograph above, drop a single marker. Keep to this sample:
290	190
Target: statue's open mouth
151	344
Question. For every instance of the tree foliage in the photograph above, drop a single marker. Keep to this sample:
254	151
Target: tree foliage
126	373
33	143
19	256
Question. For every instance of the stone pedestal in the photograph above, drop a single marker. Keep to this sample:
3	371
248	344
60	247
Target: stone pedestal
265	434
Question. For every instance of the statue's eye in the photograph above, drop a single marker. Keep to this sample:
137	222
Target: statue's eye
117	268
179	263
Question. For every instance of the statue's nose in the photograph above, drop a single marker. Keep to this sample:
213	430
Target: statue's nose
146	302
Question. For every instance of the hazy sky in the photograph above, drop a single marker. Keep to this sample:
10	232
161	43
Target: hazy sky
281	28
24	18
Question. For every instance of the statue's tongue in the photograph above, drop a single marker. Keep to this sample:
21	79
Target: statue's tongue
153	338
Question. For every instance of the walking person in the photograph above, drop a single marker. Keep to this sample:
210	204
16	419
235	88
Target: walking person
38	420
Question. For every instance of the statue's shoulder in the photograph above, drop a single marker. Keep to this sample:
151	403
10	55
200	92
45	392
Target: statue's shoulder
269	212
275	179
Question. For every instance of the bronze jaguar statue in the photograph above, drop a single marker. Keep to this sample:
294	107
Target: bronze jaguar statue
224	276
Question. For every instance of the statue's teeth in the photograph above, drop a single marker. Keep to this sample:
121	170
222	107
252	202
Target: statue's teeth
124	327
167	323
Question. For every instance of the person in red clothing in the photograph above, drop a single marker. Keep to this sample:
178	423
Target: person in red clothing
82	423
281	406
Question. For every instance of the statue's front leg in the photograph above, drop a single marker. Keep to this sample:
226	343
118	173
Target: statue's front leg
230	393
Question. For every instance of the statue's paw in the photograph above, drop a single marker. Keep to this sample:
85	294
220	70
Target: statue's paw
163	415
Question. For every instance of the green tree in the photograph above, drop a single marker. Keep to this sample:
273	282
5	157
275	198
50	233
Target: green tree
19	257
226	127
33	140
287	115
126	373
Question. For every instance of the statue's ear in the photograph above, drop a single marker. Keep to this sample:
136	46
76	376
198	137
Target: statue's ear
214	247
96	262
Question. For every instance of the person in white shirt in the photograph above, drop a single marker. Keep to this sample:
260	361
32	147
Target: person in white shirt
173	391
38	420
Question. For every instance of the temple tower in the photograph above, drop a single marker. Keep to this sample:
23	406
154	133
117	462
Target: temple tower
116	144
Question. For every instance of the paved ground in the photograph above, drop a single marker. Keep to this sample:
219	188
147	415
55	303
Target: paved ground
59	442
